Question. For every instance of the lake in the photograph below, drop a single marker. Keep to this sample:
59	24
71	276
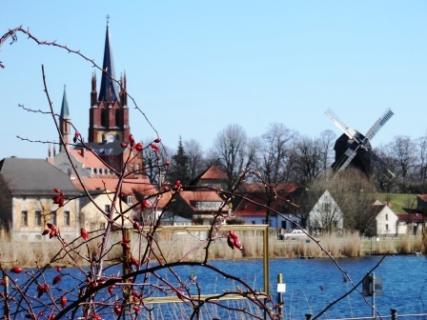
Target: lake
311	285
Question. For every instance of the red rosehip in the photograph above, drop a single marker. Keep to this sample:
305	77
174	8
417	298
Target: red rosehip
63	301
84	234
57	279
139	147
16	269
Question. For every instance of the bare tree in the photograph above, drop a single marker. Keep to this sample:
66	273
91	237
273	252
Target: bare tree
326	143
196	160
402	149
236	153
422	159
306	160
274	153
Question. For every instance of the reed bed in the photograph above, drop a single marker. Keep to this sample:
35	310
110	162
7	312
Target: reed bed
186	246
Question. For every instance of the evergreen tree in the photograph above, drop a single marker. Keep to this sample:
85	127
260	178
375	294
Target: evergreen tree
179	168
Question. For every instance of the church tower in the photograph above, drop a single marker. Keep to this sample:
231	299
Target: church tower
64	121
109	114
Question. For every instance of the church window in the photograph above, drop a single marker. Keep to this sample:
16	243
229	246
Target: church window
104	118
118	118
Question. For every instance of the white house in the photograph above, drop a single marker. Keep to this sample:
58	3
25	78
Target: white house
94	219
325	215
386	221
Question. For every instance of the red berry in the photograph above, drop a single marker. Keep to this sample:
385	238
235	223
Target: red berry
117	309
139	147
154	147
57	279
84	234
16	269
63	301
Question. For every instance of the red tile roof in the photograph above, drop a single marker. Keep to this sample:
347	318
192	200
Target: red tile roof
129	186
412	218
280	188
87	158
214	172
191	198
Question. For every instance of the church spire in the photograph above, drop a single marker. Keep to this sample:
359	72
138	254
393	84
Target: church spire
64	119
65	112
108	91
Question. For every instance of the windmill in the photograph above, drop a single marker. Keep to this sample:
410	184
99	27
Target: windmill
354	148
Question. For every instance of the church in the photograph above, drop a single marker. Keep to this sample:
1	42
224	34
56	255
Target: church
107	150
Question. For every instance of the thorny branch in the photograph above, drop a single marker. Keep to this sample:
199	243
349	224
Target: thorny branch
152	254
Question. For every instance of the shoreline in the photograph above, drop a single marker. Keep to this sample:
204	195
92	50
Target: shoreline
344	246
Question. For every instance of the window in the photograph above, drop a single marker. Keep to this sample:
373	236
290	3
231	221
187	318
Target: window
24	218
129	199
107	208
326	207
53	217
102	225
104	118
67	218
386	216
38	218
118	118
386	227
283	224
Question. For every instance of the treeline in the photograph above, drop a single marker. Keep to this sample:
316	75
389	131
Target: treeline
283	155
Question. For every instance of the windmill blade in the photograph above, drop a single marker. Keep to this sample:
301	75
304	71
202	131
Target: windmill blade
378	124
340	125
386	171
346	159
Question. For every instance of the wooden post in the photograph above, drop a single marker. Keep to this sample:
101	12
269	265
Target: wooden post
393	314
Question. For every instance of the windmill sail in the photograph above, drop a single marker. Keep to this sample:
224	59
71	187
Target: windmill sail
340	125
378	124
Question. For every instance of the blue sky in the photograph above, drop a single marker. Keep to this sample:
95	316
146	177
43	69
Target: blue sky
197	66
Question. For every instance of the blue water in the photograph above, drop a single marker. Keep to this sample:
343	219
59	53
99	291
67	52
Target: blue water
311	286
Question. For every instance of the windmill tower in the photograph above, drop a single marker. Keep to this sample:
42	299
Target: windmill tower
354	148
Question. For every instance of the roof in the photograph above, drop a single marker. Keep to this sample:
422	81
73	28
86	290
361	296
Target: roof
87	158
249	209
422	197
193	198
280	188
129	186
412	218
34	177
65	112
377	208
108	90
213	172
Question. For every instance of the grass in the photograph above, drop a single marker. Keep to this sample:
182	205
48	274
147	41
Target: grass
399	201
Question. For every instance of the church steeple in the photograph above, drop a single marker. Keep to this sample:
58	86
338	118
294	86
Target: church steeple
108	91
109	115
64	119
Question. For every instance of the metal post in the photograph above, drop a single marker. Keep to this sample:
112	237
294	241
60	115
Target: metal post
280	302
308	316
393	314
373	297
